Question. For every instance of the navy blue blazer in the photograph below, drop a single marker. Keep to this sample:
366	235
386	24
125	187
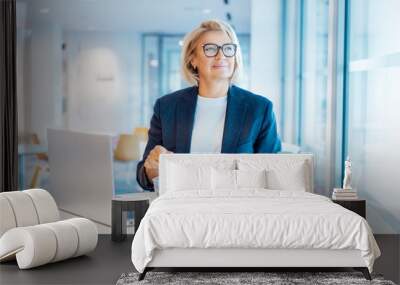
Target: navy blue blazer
250	125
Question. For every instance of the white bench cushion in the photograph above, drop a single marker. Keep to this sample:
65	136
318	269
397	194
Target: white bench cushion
31	233
7	220
26	208
45	206
24	211
40	244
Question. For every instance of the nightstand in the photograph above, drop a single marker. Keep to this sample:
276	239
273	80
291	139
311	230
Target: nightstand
121	204
357	206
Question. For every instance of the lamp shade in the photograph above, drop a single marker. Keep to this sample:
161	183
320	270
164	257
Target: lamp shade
130	146
141	132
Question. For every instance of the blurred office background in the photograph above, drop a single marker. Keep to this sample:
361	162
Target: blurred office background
331	68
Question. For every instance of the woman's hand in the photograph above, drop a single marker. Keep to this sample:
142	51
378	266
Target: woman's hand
151	162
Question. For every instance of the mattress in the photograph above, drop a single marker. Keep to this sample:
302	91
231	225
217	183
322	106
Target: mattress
250	219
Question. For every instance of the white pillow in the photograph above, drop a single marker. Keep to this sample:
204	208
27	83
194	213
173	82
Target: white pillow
223	179
183	177
293	178
251	178
284	174
227	179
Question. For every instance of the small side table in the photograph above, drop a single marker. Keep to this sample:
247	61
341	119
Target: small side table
121	204
357	206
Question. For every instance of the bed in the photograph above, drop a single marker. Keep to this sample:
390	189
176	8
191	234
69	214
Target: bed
241	210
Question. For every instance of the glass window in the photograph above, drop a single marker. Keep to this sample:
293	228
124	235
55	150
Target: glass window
373	115
304	96
313	92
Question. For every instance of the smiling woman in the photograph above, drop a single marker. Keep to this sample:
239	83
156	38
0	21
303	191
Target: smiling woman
213	116
213	46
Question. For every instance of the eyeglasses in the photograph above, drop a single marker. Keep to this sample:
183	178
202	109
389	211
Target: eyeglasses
211	50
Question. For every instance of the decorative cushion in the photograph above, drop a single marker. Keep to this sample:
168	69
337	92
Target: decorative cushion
223	179
290	174
172	172
183	178
285	171
251	178
293	178
226	179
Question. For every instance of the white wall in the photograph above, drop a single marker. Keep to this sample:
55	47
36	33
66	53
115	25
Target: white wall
265	51
44	72
103	81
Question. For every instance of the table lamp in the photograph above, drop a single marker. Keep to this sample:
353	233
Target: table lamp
131	146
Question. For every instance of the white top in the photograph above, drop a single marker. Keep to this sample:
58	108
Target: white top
208	127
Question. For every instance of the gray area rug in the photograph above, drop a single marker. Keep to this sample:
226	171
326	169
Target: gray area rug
225	278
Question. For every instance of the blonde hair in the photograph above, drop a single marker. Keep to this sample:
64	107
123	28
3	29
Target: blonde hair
189	47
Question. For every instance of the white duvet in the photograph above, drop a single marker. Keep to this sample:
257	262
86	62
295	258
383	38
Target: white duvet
252	218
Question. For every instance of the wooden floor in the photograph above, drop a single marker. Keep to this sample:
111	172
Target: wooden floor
110	260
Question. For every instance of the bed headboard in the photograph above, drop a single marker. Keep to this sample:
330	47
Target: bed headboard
277	162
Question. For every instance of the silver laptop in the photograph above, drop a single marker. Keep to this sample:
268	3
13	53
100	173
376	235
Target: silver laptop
81	173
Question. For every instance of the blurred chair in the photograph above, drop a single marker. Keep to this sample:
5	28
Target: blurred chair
36	141
41	165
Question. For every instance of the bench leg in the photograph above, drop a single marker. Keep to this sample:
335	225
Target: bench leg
143	274
364	271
